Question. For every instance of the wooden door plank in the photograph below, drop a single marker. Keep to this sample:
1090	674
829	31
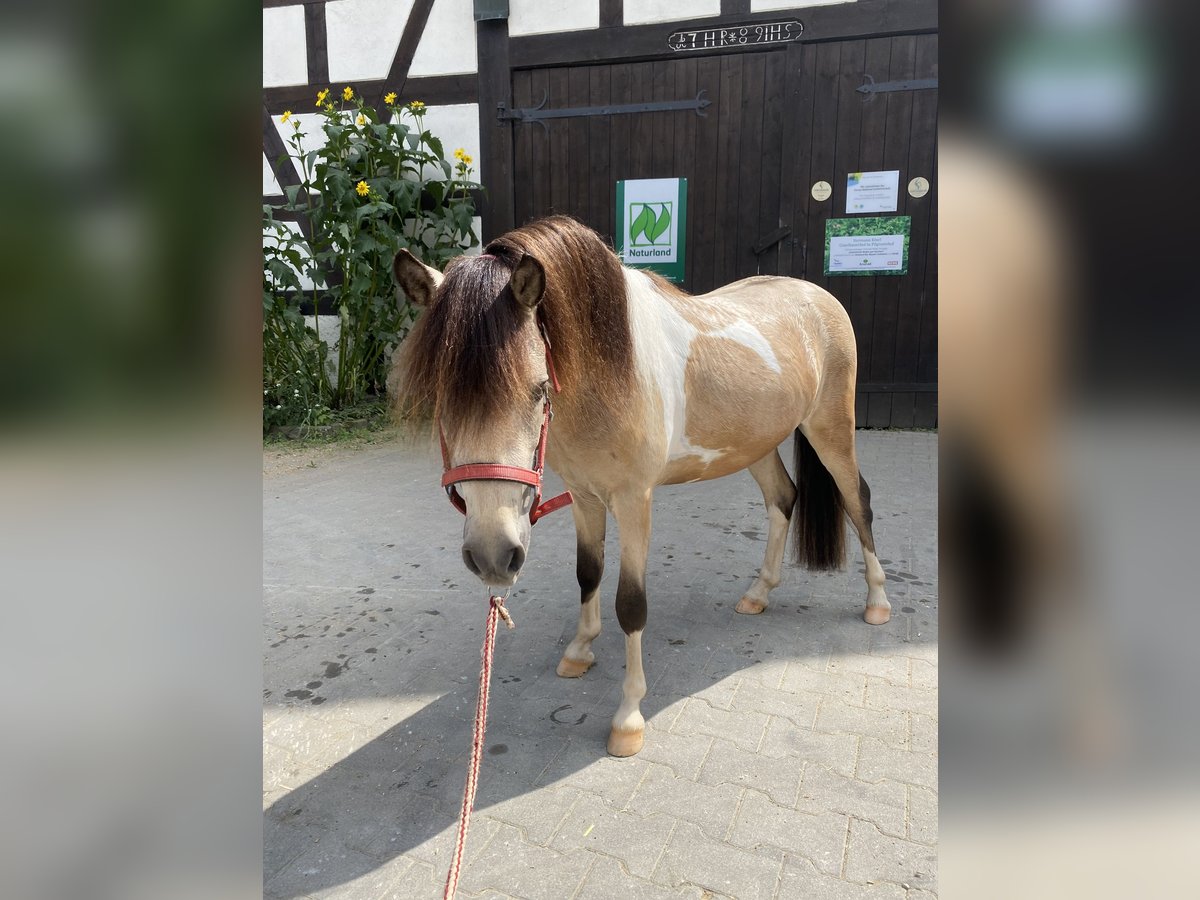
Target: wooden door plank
770	180
601	182
749	175
704	199
578	196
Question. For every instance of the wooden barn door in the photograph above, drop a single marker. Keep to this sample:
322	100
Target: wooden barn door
777	121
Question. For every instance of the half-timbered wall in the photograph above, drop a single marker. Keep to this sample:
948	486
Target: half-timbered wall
783	116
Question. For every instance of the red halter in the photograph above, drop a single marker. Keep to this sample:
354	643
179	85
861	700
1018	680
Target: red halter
497	472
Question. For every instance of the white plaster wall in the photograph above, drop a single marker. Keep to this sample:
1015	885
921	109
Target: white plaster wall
456	125
640	12
539	17
270	185
448	44
284	58
363	37
765	5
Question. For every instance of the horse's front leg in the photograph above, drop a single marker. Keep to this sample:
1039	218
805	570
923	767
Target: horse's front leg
632	512
590	520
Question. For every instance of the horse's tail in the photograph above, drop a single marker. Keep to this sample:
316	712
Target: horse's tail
819	532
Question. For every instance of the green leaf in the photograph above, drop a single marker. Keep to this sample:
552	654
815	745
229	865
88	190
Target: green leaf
663	223
639	225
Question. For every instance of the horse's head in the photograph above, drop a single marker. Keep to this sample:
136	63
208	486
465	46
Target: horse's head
478	354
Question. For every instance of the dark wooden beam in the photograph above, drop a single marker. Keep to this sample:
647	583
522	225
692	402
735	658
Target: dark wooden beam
273	146
864	19
906	388
495	137
436	90
268	4
612	13
316	43
398	74
735	7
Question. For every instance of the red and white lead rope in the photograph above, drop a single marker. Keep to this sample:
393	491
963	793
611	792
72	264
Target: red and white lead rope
496	611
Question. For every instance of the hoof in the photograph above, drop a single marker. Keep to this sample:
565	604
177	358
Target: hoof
625	743
877	615
748	606
572	668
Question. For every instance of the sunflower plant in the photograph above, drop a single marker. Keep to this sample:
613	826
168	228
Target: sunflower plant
378	183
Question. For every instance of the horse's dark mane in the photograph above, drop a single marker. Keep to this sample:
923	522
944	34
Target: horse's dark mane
466	353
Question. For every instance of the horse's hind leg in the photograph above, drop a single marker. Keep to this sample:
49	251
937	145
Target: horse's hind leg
832	438
590	521
779	493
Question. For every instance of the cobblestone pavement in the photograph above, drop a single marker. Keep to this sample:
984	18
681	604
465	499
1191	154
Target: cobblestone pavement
792	754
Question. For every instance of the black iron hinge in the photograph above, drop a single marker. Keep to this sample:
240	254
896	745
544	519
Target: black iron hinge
539	114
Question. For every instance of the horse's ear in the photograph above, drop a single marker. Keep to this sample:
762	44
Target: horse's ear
528	281
416	279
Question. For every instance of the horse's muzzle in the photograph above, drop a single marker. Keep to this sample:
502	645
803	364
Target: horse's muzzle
496	563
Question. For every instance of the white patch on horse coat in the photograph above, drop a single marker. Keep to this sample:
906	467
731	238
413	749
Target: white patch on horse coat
662	342
750	337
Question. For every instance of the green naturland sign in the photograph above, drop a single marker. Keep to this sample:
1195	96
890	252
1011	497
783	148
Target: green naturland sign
652	225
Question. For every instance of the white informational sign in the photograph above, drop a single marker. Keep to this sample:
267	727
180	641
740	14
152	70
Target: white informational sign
872	191
861	252
650	223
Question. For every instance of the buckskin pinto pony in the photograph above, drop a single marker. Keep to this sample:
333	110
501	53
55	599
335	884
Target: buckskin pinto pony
657	387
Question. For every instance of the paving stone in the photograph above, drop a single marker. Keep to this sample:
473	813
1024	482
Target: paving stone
281	772
798	707
778	777
885	695
584	765
608	881
742	728
592	824
284	842
802	881
537	813
889	668
877	761
924	674
710	807
873	856
924	734
691	857
835	751
819	837
922	815
892	639
725	663
420	882
334	869
888	725
847	686
717	692
683	754
883	803
410	834
510	865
